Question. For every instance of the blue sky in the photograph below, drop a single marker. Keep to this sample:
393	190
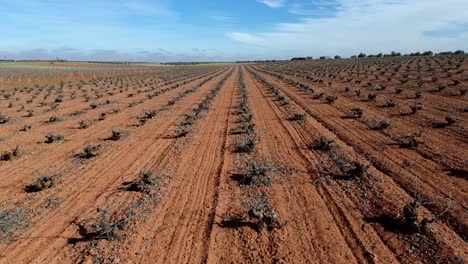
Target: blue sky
226	30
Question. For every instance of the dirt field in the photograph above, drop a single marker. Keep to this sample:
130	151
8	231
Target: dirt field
323	161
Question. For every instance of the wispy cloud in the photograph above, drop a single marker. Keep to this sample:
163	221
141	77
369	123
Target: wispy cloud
453	31
317	8
370	26
273	3
246	38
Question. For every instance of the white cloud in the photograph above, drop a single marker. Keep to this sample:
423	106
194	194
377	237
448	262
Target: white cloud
318	8
369	26
272	3
245	38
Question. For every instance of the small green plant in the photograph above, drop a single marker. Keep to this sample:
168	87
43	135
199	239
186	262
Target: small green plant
260	210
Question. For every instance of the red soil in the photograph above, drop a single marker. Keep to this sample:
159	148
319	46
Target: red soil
207	208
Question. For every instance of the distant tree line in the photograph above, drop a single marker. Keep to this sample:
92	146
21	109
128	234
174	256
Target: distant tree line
381	55
398	54
259	61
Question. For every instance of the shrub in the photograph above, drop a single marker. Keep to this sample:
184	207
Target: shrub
3	119
25	128
330	99
9	155
322	143
102	116
415	109
145	182
390	103
257	173
378	125
450	120
354	170
105	227
261	212
54	119
12	220
117	134
83	125
51	138
356	112
91	151
371	96
317	96
181	131
297	117
409	141
441	87
77	113
42	183
266	219
418	94
246	144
